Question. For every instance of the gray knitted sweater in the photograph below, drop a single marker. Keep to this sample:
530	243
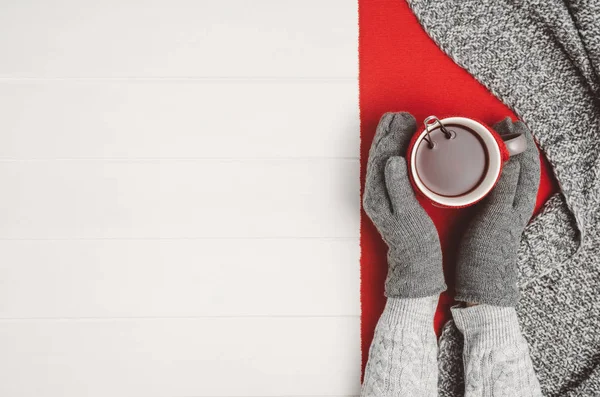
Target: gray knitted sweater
542	59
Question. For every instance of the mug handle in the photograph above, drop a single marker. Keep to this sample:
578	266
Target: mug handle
515	143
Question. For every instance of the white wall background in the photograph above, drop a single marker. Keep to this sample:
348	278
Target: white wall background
179	198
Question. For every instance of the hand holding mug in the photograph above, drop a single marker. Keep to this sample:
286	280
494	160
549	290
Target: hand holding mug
414	255
487	257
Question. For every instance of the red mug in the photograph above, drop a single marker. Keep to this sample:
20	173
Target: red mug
455	162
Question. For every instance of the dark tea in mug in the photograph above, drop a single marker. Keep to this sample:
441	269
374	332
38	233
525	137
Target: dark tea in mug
455	162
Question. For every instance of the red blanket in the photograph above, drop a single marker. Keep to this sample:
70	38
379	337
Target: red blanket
402	69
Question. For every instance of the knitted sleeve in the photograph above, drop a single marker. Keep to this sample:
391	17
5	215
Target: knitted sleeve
496	356
402	358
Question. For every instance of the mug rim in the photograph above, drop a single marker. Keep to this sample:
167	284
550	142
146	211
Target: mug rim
489	180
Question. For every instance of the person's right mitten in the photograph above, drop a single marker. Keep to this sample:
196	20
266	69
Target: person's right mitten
414	255
487	260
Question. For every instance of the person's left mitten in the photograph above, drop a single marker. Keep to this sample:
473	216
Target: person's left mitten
414	255
486	269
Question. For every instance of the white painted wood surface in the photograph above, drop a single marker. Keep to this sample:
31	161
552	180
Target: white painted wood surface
122	278
179	205
179	38
179	198
180	357
91	119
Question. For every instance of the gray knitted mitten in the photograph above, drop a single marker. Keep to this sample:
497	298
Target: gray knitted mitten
487	260
414	255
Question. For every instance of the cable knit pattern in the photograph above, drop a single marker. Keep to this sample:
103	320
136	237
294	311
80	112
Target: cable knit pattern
496	357
402	358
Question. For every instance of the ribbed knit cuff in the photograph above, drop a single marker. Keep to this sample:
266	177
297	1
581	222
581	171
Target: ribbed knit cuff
410	312
488	326
508	297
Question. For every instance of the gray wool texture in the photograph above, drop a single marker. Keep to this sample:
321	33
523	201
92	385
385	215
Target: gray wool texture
414	254
487	259
496	356
542	59
402	357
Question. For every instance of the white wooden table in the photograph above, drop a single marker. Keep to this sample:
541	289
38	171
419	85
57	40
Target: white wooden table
179	198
